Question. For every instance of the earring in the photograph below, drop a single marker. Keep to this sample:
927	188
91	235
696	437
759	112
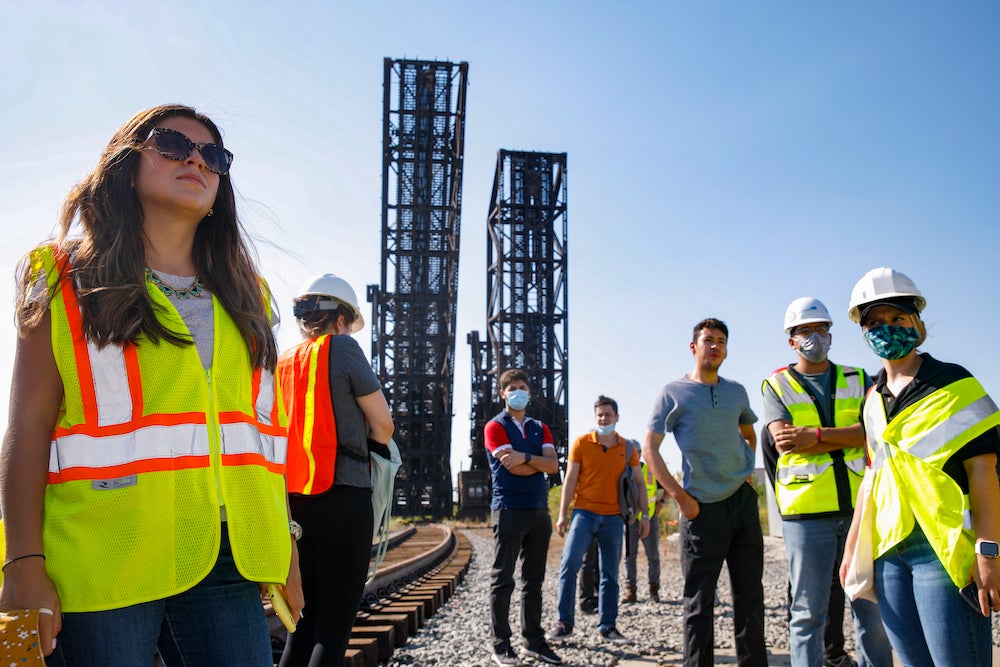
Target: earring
211	212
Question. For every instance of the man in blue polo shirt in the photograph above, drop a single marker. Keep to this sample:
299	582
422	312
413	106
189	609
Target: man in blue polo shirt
519	450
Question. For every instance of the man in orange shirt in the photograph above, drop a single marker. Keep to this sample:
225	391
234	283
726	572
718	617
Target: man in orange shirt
596	462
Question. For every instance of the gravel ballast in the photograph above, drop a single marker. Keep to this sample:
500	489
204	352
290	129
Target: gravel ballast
459	633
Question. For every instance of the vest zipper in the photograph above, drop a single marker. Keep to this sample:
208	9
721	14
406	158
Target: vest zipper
214	439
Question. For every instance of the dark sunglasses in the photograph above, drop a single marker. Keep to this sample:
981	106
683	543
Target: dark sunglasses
175	145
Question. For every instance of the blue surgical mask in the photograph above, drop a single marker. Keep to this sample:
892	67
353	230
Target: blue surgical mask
605	430
814	347
892	342
517	399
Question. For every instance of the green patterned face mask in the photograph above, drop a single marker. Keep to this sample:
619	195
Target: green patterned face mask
892	342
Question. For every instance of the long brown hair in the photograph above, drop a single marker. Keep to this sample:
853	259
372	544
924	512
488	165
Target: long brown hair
108	265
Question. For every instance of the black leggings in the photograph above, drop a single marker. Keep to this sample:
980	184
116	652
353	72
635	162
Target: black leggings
333	557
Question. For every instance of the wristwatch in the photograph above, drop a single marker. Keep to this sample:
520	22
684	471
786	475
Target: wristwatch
295	529
988	548
527	456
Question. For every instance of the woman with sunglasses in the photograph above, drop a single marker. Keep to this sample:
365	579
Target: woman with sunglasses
141	477
931	491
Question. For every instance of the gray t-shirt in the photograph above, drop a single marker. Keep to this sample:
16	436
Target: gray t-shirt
198	315
351	376
704	420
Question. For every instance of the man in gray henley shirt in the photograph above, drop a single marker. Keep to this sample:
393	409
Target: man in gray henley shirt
712	423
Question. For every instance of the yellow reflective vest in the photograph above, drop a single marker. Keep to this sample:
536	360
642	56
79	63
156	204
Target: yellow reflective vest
653	493
148	447
909	484
814	485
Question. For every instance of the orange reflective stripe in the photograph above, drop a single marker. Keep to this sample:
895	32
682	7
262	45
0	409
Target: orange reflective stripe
252	460
80	473
243	418
75	318
146	421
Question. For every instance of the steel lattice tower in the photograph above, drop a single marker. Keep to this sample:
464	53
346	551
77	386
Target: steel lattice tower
414	307
526	311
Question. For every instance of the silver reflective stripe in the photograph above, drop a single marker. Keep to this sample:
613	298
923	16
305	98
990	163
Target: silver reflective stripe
967	519
265	397
114	402
856	464
854	388
788	473
151	442
875	424
952	427
241	438
788	393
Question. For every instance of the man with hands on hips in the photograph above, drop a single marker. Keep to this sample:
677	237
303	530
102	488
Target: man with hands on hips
712	423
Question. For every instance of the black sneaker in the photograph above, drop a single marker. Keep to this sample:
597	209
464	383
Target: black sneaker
543	653
561	631
588	607
612	635
505	657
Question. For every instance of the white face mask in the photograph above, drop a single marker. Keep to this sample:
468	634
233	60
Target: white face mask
605	430
814	347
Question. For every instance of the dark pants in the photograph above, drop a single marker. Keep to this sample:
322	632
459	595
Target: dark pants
727	531
334	552
519	534
588	578
833	633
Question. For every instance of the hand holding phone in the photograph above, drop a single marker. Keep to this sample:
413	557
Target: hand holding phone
970	593
280	606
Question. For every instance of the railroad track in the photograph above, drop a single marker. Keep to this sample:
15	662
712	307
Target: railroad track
423	567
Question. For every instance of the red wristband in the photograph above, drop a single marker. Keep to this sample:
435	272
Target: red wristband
818	438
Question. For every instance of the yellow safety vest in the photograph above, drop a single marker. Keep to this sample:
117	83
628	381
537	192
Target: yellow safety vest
148	447
907	463
651	490
807	484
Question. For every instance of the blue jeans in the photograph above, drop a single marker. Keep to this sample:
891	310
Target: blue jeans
815	548
583	528
651	545
219	622
926	619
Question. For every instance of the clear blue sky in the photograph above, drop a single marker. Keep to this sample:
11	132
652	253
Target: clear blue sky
724	158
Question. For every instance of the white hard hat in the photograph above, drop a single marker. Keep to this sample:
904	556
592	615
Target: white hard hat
805	310
884	285
337	289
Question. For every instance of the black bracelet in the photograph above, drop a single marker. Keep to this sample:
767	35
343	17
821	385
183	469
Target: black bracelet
17	558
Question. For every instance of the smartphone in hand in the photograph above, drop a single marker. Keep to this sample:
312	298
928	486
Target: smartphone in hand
280	606
970	593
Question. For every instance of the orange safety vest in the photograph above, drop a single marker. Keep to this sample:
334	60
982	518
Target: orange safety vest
312	427
147	448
